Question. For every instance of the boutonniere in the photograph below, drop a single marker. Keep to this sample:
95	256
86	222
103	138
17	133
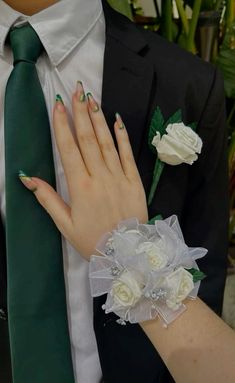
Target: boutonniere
173	142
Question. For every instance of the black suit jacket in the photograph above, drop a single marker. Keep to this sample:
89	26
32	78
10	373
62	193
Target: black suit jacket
143	71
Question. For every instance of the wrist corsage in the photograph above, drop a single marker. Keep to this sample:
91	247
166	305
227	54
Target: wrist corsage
146	271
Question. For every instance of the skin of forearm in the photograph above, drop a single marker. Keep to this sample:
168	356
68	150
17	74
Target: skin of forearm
197	347
30	7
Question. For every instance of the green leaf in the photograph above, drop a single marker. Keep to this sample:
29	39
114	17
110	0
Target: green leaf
122	6
156	218
193	126
156	125
175	118
226	61
207	5
197	274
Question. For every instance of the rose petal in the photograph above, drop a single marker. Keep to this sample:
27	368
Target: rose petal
186	135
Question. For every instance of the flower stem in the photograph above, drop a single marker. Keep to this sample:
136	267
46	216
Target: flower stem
167	19
193	26
159	165
218	5
229	13
183	16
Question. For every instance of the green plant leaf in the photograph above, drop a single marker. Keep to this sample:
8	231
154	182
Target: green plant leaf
122	6
156	125
226	61
207	5
197	274
175	118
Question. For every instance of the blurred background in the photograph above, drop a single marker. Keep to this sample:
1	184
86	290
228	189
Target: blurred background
205	28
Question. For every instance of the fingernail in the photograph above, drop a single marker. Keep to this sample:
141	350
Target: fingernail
93	104
121	124
27	181
80	94
59	103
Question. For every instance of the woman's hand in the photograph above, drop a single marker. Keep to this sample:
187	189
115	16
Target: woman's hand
104	185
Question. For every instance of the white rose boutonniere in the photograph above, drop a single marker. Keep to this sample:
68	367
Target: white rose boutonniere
174	142
180	145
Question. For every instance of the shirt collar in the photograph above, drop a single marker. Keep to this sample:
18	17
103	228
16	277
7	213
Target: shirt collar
61	27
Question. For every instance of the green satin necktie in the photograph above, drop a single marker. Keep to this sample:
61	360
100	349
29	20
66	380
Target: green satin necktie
38	326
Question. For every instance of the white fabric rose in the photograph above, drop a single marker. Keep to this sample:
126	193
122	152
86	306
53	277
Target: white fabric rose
156	257
126	291
180	284
180	144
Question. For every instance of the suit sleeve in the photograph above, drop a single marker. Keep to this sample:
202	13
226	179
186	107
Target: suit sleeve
205	213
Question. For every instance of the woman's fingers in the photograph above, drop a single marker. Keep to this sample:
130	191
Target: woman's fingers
51	202
125	150
87	140
104	137
96	150
71	158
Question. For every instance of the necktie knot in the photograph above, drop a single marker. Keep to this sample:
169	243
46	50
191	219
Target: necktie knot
25	44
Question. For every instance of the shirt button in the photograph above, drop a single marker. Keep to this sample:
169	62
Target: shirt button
3	314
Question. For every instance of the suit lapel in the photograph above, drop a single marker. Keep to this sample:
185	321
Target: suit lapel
127	76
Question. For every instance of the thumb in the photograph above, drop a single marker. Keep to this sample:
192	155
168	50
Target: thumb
51	201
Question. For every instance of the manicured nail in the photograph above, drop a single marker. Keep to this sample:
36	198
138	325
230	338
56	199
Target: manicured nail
59	99
59	103
27	181
93	104
121	124
80	92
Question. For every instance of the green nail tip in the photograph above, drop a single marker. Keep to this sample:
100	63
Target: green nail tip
59	99
82	97
96	106
121	124
22	174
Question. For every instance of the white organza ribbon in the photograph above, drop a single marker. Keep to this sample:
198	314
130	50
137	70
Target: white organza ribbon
145	270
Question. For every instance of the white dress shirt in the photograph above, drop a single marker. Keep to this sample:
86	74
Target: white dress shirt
73	35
